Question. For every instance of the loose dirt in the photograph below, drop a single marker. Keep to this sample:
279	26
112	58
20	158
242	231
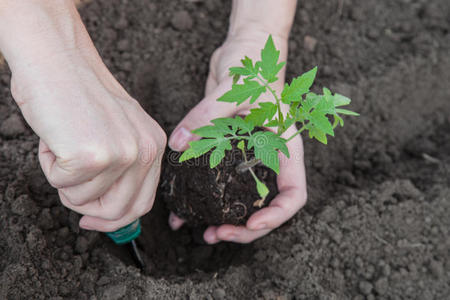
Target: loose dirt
376	224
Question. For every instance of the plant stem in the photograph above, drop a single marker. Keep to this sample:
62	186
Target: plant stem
295	134
280	114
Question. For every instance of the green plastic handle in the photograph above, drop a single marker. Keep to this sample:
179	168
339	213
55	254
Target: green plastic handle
127	233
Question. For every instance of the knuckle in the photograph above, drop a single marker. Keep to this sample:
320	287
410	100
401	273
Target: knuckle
94	158
128	154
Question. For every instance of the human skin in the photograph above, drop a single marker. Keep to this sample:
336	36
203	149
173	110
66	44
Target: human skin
98	147
251	22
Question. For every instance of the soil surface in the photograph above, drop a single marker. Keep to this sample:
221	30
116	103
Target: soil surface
376	224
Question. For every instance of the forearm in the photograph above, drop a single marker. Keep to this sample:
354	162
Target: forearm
34	31
272	16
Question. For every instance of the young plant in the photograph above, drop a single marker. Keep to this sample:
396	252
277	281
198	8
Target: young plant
311	111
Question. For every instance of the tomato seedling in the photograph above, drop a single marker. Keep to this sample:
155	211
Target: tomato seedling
315	113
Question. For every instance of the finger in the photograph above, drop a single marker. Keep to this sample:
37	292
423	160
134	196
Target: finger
175	222
201	115
210	235
140	206
292	186
61	173
93	189
282	208
116	201
238	234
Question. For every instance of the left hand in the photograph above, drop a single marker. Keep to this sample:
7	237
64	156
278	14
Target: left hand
291	180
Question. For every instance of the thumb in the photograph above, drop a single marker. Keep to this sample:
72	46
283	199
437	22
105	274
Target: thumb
201	115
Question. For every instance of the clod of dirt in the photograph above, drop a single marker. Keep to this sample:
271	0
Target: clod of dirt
182	20
205	196
310	43
12	126
24	206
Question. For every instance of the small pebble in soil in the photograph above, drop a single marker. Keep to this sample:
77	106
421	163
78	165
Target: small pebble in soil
123	45
437	268
12	126
381	286
45	220
310	43
181	20
114	292
365	287
219	293
81	244
122	23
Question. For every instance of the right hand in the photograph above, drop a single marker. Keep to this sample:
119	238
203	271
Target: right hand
98	147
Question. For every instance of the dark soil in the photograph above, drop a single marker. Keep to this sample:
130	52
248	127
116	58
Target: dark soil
376	224
204	196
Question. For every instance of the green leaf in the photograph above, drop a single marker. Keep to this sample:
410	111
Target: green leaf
258	116
240	71
219	153
273	123
247	70
262	189
241	92
266	145
298	87
340	100
243	126
318	135
198	148
269	61
346	112
320	121
209	131
241	145
223	125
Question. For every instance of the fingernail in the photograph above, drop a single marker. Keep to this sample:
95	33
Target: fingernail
260	226
180	138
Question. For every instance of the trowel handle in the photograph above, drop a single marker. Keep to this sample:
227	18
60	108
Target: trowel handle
127	233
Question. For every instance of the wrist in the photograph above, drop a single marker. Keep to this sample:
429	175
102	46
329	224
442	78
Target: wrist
274	17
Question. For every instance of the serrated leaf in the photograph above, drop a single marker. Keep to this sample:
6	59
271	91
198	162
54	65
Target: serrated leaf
340	100
219	153
240	71
273	123
241	92
346	112
266	145
321	122
209	131
318	135
223	125
258	116
198	148
298	87
236	78
269	61
243	126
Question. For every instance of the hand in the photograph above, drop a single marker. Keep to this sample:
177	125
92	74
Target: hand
291	180
98	147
